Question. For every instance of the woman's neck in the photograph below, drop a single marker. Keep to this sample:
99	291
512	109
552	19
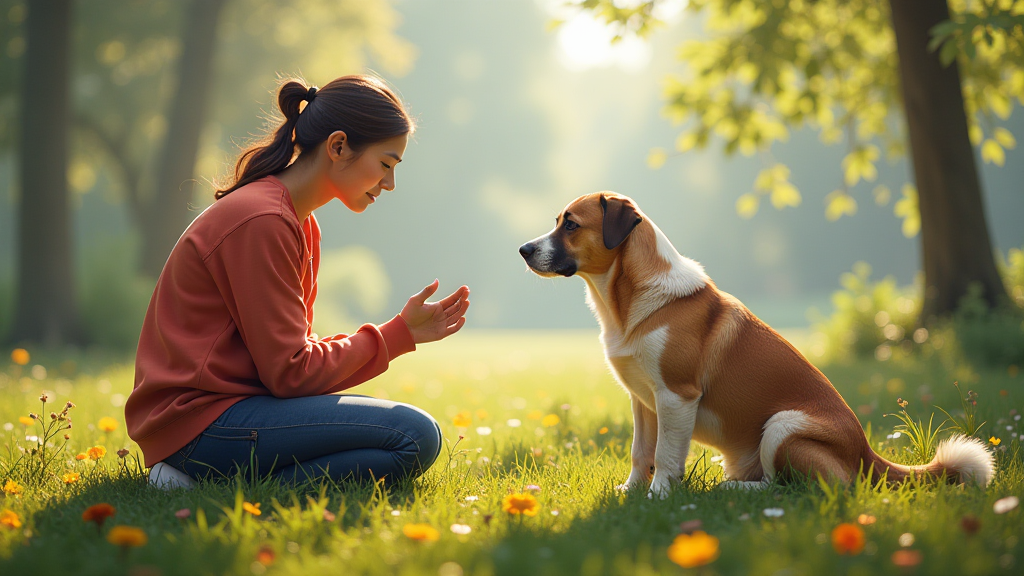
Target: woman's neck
305	183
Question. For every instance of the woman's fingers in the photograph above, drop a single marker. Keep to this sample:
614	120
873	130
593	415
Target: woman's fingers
454	297
427	292
454	327
456	311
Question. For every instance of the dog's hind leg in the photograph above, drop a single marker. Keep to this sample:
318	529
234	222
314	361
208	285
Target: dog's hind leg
803	457
645	438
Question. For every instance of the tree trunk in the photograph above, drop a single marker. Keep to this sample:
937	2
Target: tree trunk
45	307
169	213
955	241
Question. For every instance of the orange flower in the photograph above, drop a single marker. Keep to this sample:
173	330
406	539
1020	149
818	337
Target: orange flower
20	356
12	488
265	555
70	477
603	430
524	504
422	532
550	420
10	519
127	536
253	509
107	424
692	550
462	420
906	558
80	456
96	452
98	513
848	539
866	519
25	420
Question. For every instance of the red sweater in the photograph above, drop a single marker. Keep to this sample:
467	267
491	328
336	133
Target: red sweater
231	318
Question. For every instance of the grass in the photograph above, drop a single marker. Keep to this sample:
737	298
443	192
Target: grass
584	526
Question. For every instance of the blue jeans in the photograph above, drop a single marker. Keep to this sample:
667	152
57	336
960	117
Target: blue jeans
342	437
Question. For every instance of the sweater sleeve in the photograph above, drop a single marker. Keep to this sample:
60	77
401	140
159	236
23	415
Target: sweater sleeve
258	270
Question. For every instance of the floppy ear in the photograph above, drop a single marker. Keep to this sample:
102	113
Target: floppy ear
620	218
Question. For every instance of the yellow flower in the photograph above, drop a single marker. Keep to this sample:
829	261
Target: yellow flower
12	488
107	424
462	420
995	441
70	477
481	414
551	420
518	503
692	550
127	536
422	532
96	452
534	415
10	519
603	430
253	509
848	539
26	420
20	356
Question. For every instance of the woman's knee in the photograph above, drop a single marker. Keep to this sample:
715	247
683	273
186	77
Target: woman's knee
425	438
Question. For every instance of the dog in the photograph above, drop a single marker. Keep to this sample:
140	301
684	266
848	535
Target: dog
698	365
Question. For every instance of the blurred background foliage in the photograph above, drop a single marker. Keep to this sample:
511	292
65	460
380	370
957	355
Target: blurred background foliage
515	120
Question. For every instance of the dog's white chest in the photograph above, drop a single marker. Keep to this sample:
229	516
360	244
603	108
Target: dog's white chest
636	362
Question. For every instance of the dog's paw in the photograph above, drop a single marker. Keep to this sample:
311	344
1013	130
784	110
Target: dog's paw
743	485
659	489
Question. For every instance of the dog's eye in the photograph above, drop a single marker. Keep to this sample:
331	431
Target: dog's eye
570	225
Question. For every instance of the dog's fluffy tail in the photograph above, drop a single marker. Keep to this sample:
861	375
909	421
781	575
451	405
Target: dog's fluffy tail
960	458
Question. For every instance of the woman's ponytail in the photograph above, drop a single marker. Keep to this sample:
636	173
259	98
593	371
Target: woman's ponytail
361	106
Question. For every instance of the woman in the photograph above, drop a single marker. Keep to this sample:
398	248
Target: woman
229	374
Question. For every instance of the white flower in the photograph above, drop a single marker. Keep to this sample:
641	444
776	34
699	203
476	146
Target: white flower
906	539
8	426
688	507
774	512
461	528
472	498
484	430
514	423
744	517
396	512
1004	505
554	512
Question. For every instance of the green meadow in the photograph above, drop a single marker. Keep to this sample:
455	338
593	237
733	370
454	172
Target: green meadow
538	413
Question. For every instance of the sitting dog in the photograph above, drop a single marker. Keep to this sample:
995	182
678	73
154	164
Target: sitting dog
699	365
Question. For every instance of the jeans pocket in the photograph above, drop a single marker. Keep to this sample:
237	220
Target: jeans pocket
224	450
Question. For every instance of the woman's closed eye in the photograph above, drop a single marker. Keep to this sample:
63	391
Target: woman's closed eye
385	165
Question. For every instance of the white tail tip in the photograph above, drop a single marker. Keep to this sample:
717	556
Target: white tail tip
965	458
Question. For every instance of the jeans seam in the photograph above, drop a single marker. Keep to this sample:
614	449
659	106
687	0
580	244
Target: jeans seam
257	428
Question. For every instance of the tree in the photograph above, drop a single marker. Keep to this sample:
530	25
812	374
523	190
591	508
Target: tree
45	309
846	68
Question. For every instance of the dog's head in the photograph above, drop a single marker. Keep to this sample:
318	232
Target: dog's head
588	235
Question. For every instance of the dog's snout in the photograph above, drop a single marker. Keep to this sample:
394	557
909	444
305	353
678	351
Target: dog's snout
527	249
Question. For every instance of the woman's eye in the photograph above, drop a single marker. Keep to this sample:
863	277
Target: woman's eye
385	165
570	225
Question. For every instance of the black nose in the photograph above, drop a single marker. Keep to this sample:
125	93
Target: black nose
527	250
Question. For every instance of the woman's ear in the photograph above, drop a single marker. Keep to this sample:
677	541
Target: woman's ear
337	145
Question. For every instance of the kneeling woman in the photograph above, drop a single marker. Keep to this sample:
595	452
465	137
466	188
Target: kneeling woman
229	374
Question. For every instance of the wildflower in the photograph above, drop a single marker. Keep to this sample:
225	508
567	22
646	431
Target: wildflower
902	403
970	524
122	452
80	456
329	516
906	539
53	415
253	509
865	519
20	356
534	415
603	430
67	436
33	415
994	441
532	488
265	555
1002	506
421	532
70	477
906	558
461	529
550	420
462	420
98	513
12	488
183	514
484	430
848	539
774	512
691	526
692	550
25	420
43	397
514	423
107	424
127	536
481	414
10	519
96	452
472	498
524	504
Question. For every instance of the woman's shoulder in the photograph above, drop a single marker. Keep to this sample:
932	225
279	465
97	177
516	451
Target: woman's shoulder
264	197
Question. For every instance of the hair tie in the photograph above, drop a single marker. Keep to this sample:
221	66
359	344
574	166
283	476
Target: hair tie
310	94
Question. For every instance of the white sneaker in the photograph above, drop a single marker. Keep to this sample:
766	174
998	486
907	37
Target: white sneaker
166	477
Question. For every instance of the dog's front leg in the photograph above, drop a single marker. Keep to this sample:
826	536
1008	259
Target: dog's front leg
676	420
645	438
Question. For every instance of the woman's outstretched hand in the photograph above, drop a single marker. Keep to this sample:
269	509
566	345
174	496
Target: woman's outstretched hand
436	320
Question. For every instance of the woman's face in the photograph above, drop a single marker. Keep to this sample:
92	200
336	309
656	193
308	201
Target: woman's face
359	178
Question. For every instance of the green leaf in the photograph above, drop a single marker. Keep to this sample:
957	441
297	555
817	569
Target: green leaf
992	153
838	204
907	209
747	205
785	194
656	158
1005	138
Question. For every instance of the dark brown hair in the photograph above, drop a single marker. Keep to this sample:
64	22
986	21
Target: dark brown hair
361	106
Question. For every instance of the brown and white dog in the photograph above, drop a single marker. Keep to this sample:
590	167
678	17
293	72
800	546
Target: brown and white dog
699	365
